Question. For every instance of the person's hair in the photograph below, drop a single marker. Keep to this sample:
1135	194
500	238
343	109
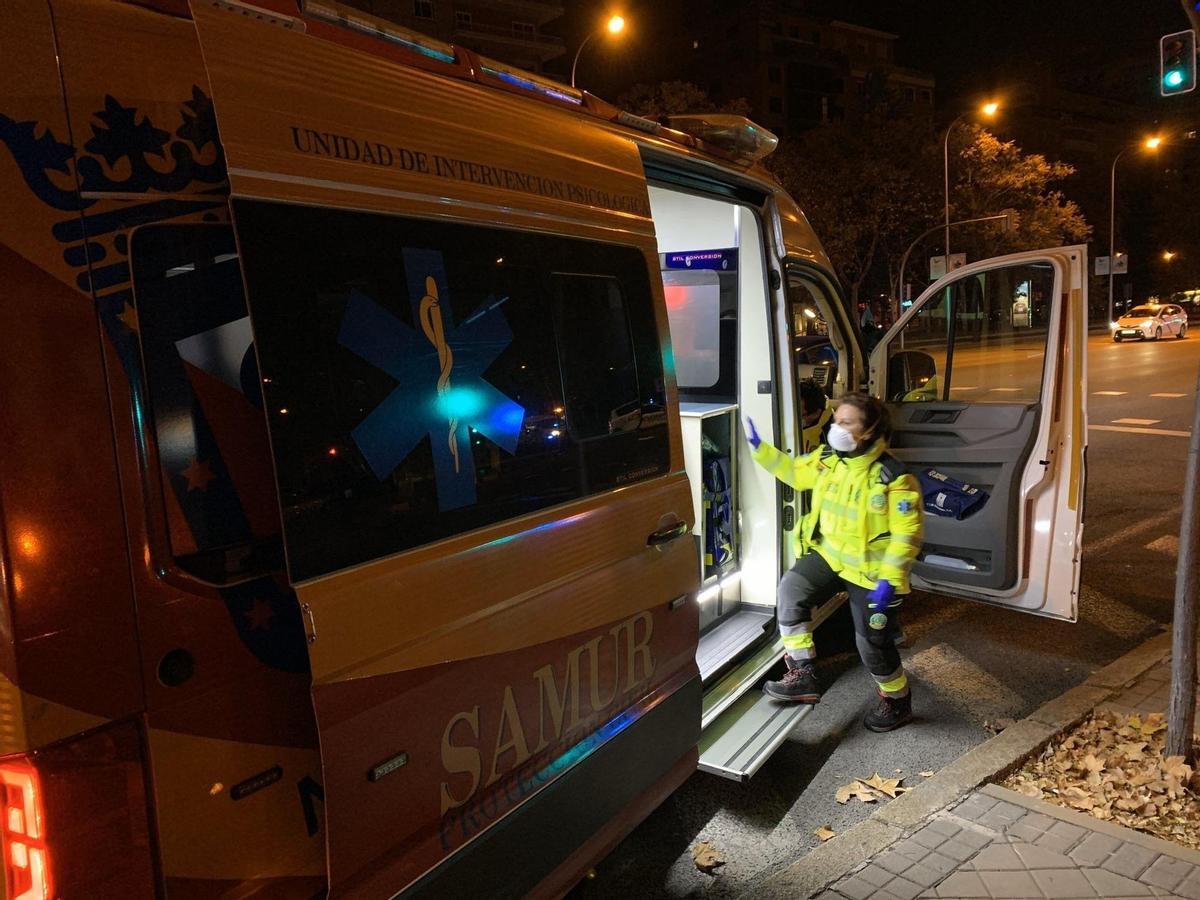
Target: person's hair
877	421
812	397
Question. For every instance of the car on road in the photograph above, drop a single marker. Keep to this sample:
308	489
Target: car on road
1151	322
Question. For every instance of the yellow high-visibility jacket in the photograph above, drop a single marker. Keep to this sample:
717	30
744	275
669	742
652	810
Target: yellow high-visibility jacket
866	519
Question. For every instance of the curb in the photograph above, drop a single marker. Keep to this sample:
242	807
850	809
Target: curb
994	758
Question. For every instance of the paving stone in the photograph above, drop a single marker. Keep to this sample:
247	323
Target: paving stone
1024	833
896	863
1190	887
1037	820
944	827
1010	884
1040	858
1001	815
1110	884
975	806
928	838
943	865
856	888
923	875
1167	873
830	895
958	849
1095	849
876	875
963	884
1130	860
904	889
1066	829
997	858
1063	883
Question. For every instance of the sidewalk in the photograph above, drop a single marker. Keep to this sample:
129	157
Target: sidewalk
959	841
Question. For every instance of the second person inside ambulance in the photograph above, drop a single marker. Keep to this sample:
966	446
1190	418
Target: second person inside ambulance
861	535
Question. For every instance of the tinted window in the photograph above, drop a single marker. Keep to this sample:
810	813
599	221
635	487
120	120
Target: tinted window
205	405
424	379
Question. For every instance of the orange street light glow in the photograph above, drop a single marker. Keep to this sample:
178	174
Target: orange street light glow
616	24
990	109
1153	143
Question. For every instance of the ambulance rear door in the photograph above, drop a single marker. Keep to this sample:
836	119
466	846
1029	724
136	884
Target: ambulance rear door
985	378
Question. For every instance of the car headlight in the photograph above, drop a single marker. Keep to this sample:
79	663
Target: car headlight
1113	325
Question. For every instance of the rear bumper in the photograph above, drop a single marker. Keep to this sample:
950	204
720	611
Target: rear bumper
581	814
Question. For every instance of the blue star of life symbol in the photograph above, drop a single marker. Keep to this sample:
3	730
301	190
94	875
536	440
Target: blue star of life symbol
440	388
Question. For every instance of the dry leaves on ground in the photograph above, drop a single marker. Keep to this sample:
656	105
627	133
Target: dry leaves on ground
707	857
925	774
1112	766
995	726
825	832
868	790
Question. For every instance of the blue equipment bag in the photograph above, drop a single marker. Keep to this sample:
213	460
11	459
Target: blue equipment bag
946	496
718	514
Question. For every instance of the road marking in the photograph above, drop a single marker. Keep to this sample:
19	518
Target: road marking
1124	430
1168	544
1006	390
965	388
1172	396
1111	615
1136	421
962	683
1171	517
1111	393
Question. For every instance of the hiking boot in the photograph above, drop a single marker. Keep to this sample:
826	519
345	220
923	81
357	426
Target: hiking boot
890	713
798	685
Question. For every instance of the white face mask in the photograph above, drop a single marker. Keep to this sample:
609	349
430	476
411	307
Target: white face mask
841	440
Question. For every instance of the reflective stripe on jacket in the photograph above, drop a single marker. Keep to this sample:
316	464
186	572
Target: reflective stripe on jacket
865	529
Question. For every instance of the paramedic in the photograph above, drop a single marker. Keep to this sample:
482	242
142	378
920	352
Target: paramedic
861	535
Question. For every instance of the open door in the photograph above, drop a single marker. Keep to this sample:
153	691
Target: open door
985	378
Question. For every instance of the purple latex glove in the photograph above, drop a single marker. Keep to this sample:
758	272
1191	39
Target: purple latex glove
881	596
752	433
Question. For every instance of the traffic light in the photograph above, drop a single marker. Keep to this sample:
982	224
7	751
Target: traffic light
1177	53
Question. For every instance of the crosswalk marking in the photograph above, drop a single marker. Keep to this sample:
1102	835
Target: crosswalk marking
1168	544
1005	390
1126	430
1111	393
1172	396
965	387
1136	421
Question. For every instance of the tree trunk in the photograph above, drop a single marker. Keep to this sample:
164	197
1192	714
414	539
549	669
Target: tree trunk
1182	711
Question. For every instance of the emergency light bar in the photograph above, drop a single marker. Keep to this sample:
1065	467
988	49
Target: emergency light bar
527	81
335	14
734	134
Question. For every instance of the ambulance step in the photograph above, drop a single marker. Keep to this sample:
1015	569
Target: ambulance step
729	638
737	744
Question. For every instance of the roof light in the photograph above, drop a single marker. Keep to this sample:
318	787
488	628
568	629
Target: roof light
527	81
734	134
335	14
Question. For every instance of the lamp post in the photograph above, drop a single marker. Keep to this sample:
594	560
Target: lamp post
989	110
1152	143
924	234
614	25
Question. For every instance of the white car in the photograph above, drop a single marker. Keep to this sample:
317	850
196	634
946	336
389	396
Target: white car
1151	322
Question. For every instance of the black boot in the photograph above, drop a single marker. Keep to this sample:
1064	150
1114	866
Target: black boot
890	713
798	685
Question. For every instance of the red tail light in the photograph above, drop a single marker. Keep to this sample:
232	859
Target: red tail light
26	858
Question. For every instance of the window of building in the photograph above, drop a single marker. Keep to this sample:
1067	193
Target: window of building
881	50
423	9
440	377
926	96
910	94
204	410
462	18
860	86
774	74
861	47
775	104
524	29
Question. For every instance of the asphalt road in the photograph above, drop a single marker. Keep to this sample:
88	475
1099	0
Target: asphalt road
969	663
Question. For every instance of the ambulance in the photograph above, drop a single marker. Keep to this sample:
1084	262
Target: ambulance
376	518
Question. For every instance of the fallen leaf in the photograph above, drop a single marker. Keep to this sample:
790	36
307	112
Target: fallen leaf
888	786
824	832
925	774
1092	763
706	857
997	725
858	790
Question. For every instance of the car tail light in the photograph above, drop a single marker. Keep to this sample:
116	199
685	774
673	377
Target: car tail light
26	856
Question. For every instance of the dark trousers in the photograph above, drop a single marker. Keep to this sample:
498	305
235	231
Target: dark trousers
808	584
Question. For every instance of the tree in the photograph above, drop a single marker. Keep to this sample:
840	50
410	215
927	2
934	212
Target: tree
867	188
993	176
669	98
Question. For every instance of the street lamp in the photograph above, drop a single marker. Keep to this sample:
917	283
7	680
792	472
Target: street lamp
1169	255
614	25
1150	143
988	110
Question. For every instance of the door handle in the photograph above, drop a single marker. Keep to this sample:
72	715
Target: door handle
665	535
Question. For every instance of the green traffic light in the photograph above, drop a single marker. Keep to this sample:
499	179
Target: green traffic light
1174	78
